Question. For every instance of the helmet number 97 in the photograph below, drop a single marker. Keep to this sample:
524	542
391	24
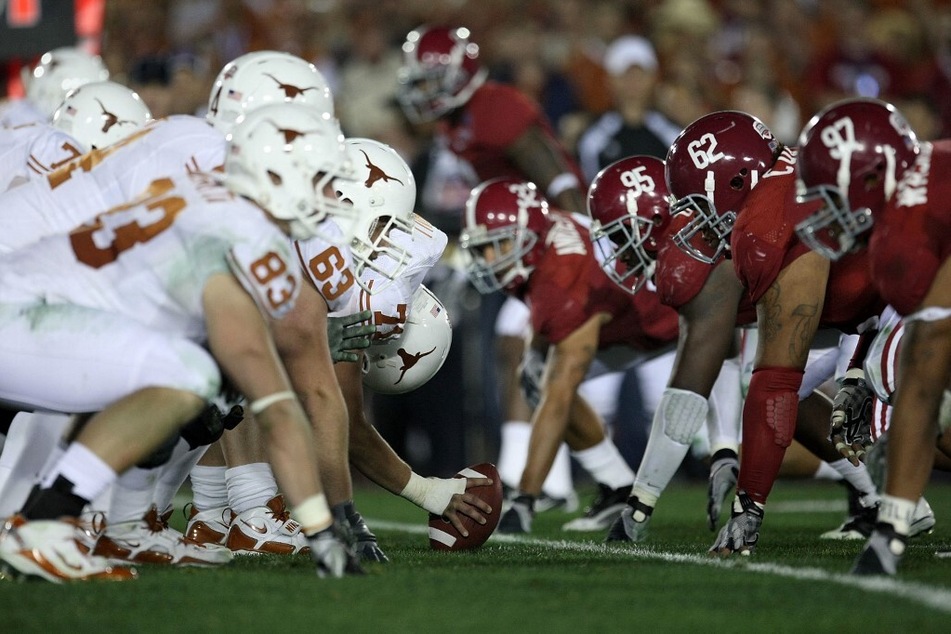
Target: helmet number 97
703	151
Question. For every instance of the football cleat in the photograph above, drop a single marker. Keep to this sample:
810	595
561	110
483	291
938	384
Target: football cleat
632	524
518	518
53	550
882	553
606	508
567	504
923	521
741	533
863	514
151	540
724	470
210	526
266	529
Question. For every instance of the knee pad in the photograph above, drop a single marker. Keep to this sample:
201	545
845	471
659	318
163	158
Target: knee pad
683	413
774	392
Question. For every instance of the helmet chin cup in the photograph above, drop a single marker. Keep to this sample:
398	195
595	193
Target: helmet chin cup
706	236
834	230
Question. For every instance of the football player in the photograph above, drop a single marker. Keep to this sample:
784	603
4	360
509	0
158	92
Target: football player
733	181
92	116
544	256
56	73
164	300
864	165
629	201
498	132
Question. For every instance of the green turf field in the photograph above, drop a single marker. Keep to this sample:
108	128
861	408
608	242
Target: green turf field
548	582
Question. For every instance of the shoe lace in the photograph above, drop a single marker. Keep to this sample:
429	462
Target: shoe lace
154	522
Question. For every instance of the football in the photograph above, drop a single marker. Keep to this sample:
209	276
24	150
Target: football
444	536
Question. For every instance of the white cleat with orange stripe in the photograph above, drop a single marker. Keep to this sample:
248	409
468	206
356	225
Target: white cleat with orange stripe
53	550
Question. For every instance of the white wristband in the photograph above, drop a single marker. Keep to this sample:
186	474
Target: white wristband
432	494
313	514
265	402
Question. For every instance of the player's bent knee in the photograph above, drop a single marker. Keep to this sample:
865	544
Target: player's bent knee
775	393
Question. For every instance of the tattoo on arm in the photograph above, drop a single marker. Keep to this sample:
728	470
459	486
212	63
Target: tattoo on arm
804	321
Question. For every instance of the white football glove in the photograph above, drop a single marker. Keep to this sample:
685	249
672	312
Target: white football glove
332	554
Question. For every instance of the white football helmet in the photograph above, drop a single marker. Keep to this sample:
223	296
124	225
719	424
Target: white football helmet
383	197
400	365
100	113
285	157
265	77
58	72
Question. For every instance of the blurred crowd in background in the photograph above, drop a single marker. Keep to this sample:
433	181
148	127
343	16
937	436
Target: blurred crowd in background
780	60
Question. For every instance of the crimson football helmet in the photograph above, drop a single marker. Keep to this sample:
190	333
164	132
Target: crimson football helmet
510	217
440	72
711	167
629	204
851	156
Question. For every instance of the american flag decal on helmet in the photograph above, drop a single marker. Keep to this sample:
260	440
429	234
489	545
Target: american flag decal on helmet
435	310
234	94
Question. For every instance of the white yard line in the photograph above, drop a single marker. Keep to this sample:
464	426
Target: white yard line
935	597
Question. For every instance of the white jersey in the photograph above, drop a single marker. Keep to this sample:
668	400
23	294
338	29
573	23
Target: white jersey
106	177
19	112
329	266
150	258
390	306
32	150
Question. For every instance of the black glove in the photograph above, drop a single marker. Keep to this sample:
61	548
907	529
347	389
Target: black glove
205	428
851	431
364	541
348	333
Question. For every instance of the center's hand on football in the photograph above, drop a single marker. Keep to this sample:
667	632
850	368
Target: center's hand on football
469	505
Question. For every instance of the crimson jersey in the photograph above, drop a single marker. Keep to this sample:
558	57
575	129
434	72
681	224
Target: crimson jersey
912	236
764	242
680	277
568	287
489	123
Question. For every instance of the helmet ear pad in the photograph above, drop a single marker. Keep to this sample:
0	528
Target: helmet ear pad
403	364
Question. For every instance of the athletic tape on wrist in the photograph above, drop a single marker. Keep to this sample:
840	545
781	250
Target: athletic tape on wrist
313	514
265	402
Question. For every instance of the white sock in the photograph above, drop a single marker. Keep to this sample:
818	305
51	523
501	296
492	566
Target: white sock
828	472
559	483
605	464
857	477
89	473
209	490
898	512
249	486
513	452
132	495
173	473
